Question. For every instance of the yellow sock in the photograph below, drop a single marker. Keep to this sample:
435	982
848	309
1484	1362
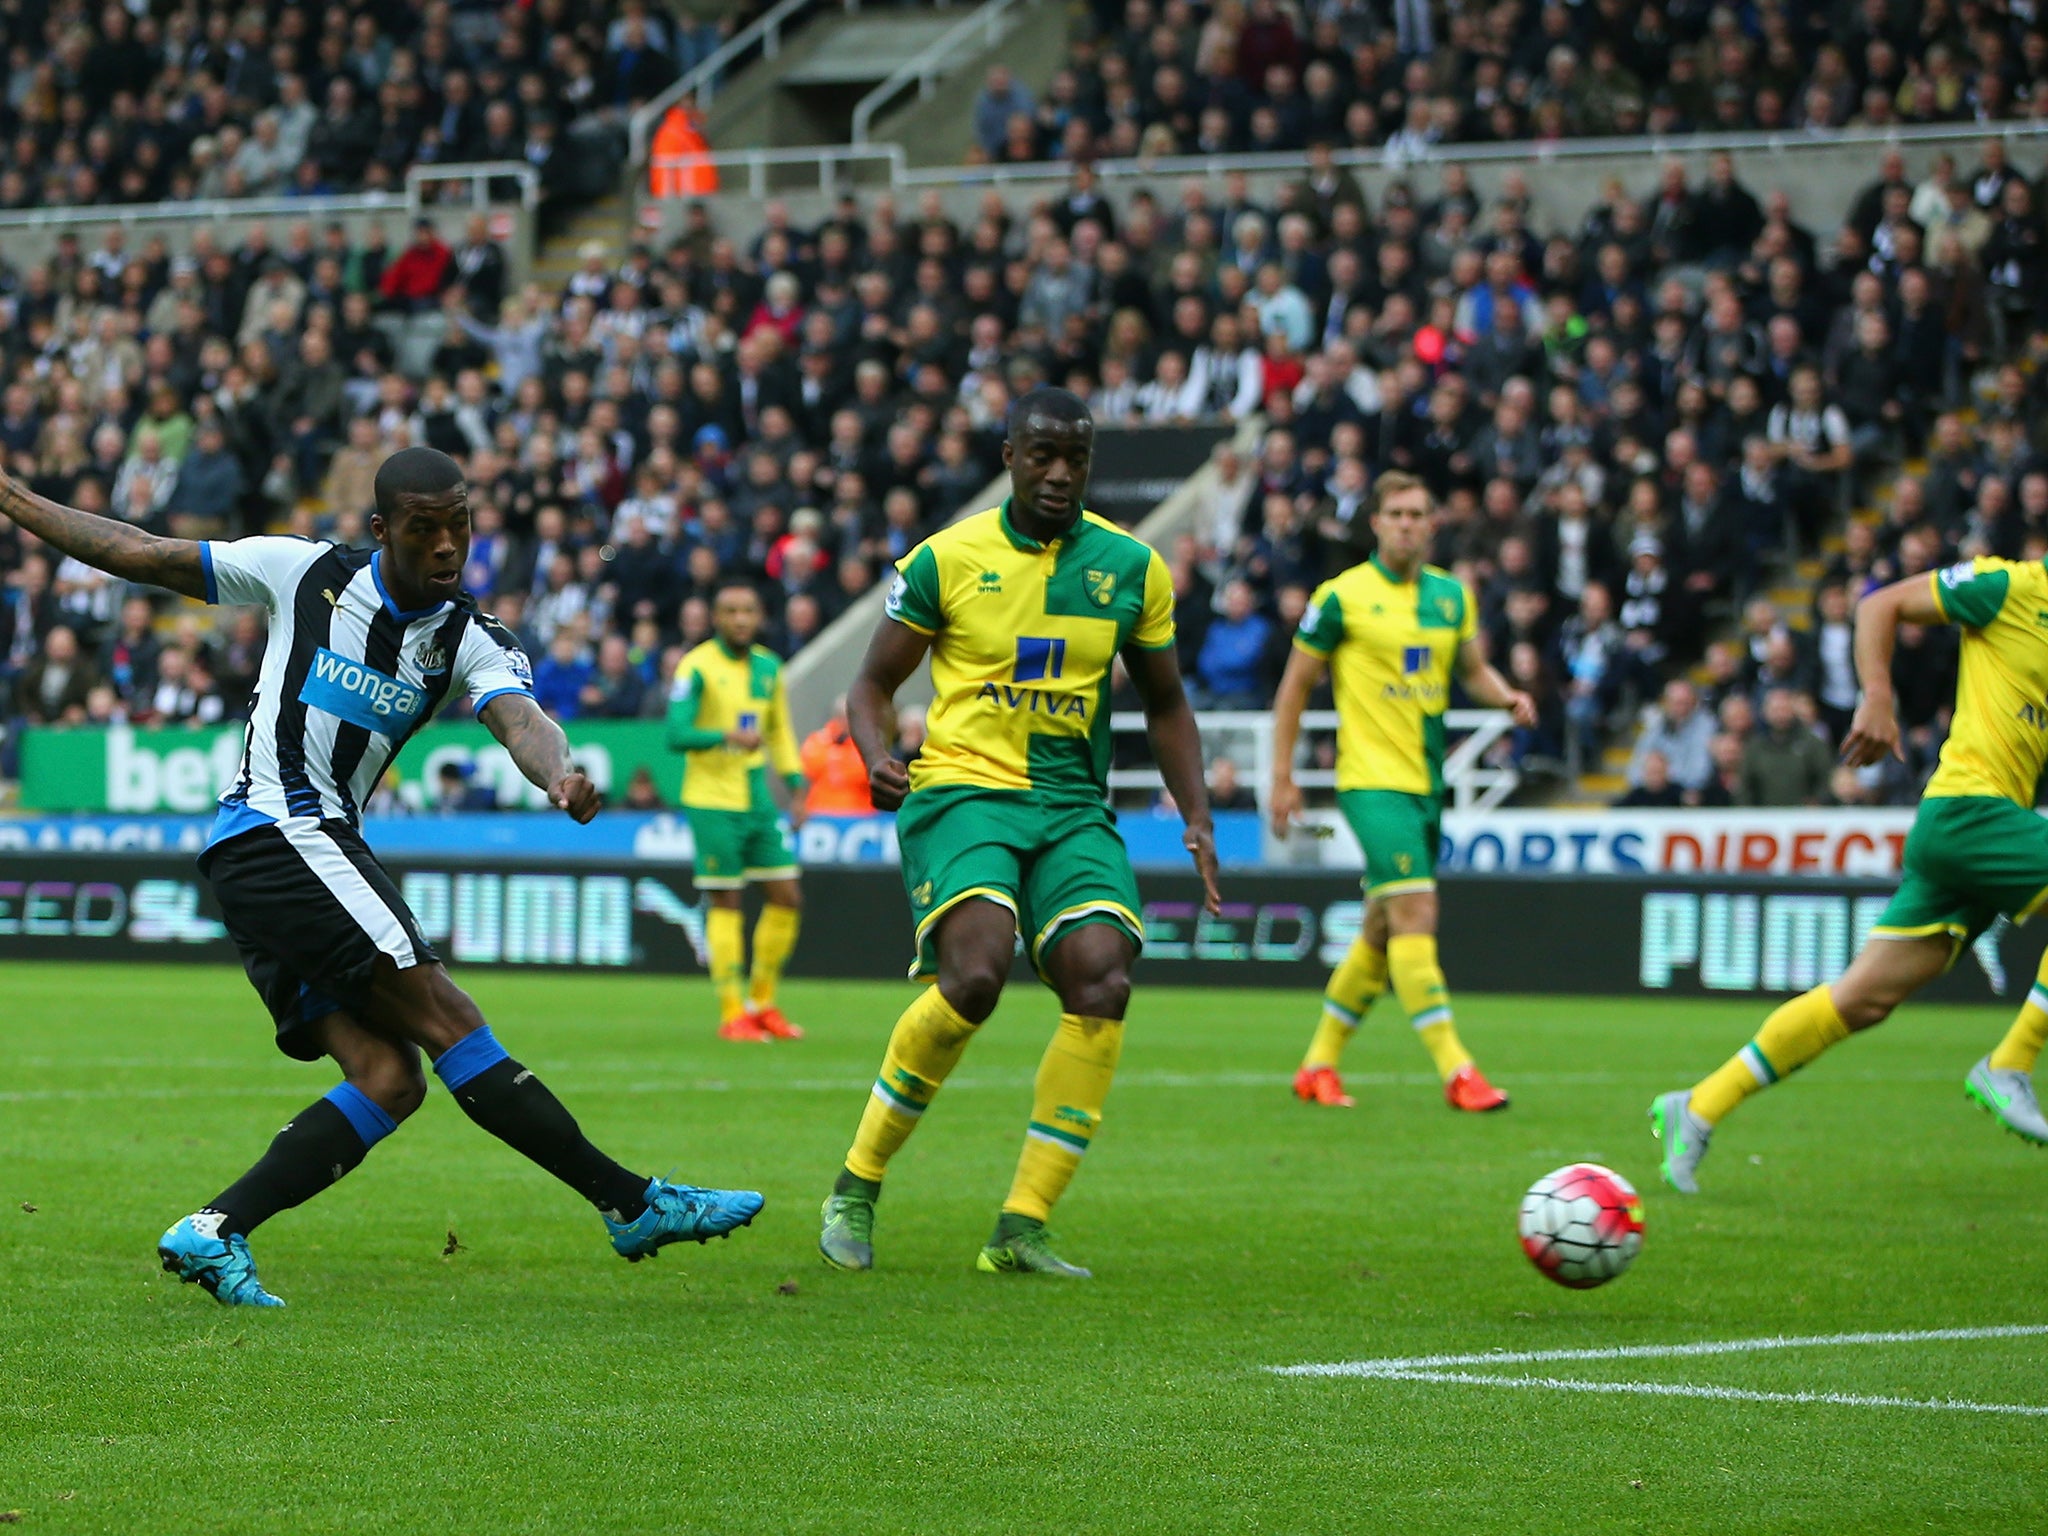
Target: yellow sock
1799	1031
774	938
924	1047
1419	983
725	935
1358	980
1066	1111
2021	1047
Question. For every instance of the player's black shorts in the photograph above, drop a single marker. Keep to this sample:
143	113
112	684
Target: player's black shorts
311	909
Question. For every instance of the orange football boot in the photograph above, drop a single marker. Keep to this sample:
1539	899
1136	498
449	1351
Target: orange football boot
745	1027
1468	1089
1321	1085
771	1022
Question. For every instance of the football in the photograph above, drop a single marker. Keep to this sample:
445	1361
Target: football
1582	1225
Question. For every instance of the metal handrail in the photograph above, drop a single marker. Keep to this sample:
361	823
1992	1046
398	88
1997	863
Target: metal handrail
479	175
1527	152
924	68
755	163
702	80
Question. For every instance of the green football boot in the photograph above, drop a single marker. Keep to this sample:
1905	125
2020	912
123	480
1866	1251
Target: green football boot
1684	1135
847	1241
1020	1249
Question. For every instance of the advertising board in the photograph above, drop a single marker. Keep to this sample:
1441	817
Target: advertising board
1621	936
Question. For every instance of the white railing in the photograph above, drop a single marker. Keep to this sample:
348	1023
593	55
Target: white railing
1246	737
701	82
829	163
982	30
479	176
256	209
1644	149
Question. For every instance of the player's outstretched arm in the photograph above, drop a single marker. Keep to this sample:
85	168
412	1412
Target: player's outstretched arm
871	707
1874	732
106	544
1283	796
541	750
1488	688
1177	748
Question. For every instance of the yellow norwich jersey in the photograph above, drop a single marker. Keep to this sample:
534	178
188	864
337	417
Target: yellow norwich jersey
1999	737
715	692
1392	648
1023	635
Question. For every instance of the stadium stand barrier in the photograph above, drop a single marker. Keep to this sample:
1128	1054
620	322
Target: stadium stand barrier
1823	174
30	236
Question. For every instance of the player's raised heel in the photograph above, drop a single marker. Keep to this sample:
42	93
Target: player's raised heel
682	1213
2008	1096
1684	1135
194	1251
848	1238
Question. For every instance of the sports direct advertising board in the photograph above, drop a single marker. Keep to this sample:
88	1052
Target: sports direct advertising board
1849	844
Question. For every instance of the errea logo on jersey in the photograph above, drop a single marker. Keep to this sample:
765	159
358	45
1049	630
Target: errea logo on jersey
361	695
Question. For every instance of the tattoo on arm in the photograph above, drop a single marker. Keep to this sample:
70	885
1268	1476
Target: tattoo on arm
105	543
536	743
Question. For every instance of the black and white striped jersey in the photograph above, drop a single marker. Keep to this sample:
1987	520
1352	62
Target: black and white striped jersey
347	675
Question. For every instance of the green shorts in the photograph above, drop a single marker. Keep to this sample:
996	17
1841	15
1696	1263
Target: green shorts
734	847
1057	865
1399	833
1969	858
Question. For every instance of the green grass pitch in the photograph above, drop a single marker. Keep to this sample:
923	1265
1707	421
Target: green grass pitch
530	1382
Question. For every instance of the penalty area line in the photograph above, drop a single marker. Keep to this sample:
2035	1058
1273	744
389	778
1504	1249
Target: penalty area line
1405	1364
1439	1369
1722	1394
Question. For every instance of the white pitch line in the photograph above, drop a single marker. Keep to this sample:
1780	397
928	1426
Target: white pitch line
1415	1363
1724	1394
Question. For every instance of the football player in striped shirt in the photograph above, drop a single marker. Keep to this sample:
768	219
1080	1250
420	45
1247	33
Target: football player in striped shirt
364	647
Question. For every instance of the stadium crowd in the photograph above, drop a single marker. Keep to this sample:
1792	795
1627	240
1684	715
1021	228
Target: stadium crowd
1166	77
124	104
1629	422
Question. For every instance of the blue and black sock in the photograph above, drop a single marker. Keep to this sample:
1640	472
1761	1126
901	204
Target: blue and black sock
516	1107
322	1144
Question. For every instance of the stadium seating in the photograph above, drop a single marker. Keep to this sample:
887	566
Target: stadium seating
1649	433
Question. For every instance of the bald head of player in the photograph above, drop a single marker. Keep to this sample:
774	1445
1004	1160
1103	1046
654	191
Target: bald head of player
422	526
1048	448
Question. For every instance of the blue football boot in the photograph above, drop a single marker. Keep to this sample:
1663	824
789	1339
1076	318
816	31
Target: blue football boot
681	1213
194	1251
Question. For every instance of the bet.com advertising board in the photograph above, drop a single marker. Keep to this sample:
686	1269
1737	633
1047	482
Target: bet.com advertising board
1625	935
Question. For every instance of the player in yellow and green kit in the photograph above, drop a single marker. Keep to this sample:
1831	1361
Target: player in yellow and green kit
727	712
1003	827
1393	632
1977	851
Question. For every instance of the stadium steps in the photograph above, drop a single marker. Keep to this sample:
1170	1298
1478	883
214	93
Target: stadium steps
1794	597
607	219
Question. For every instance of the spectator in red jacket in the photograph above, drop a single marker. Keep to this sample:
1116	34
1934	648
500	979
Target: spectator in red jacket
414	281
